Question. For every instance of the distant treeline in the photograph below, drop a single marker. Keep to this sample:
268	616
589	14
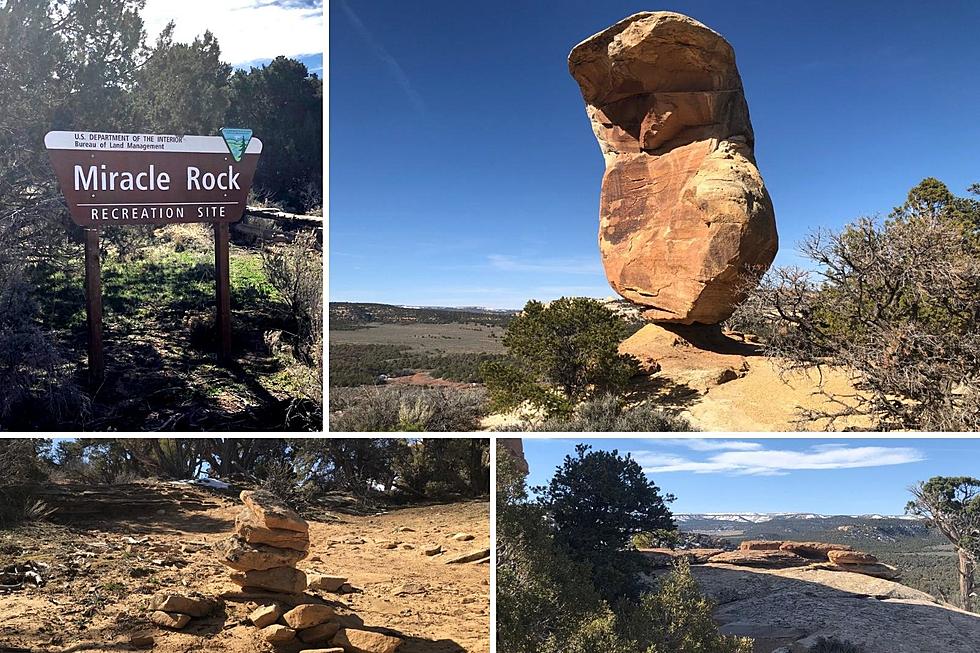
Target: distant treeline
357	364
355	315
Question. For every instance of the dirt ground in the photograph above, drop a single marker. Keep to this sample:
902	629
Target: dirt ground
102	574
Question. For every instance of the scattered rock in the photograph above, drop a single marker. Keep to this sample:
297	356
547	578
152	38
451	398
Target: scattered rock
239	554
388	545
278	579
407	546
271	512
319	634
277	634
365	641
472	556
404	529
266	615
173	620
461	537
308	615
141	640
410	588
325	583
189	605
683	208
432	550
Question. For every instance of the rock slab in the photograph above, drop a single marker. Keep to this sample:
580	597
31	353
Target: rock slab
365	641
683	210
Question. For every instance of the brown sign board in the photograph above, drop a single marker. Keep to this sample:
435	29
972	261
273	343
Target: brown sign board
119	179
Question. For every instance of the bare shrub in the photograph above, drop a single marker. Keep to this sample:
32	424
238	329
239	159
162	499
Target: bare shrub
188	237
392	408
895	304
610	413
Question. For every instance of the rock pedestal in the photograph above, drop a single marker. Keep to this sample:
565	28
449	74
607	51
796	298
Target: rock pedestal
683	211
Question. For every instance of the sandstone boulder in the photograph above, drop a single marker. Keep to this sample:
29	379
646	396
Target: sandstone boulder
239	554
813	550
849	557
271	512
287	580
173	620
878	570
277	634
195	606
249	528
365	641
308	615
768	559
683	209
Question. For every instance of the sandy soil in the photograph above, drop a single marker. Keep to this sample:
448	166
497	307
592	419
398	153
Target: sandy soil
99	582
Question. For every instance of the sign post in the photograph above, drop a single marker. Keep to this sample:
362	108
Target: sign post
132	179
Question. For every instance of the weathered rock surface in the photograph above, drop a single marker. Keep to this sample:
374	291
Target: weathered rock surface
273	513
365	641
663	557
250	529
757	558
793	607
239	554
287	580
325	583
683	209
308	615
878	569
278	634
194	606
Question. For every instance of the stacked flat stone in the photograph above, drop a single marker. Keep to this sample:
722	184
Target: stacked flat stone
175	610
270	538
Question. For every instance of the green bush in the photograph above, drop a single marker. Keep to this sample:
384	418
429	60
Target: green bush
560	354
609	413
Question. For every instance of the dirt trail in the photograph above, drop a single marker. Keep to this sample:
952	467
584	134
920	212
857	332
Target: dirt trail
103	573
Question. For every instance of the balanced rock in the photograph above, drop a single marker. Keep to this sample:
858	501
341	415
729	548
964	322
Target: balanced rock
813	550
271	512
760	545
683	211
848	557
756	558
365	641
250	528
308	615
288	580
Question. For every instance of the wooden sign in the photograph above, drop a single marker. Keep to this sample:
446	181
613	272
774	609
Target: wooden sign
131	179
119	179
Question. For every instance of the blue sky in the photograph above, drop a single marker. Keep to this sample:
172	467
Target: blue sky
827	476
463	170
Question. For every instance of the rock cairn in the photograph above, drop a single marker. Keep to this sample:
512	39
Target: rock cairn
175	611
683	210
779	554
270	539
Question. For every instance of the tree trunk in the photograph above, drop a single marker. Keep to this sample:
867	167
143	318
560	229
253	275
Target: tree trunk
966	580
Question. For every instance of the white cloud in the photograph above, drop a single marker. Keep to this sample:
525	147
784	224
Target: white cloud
246	30
700	444
764	462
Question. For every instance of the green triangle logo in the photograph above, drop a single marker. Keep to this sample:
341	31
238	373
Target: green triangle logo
237	141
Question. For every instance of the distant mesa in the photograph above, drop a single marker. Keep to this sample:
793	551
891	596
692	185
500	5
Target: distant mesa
683	209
